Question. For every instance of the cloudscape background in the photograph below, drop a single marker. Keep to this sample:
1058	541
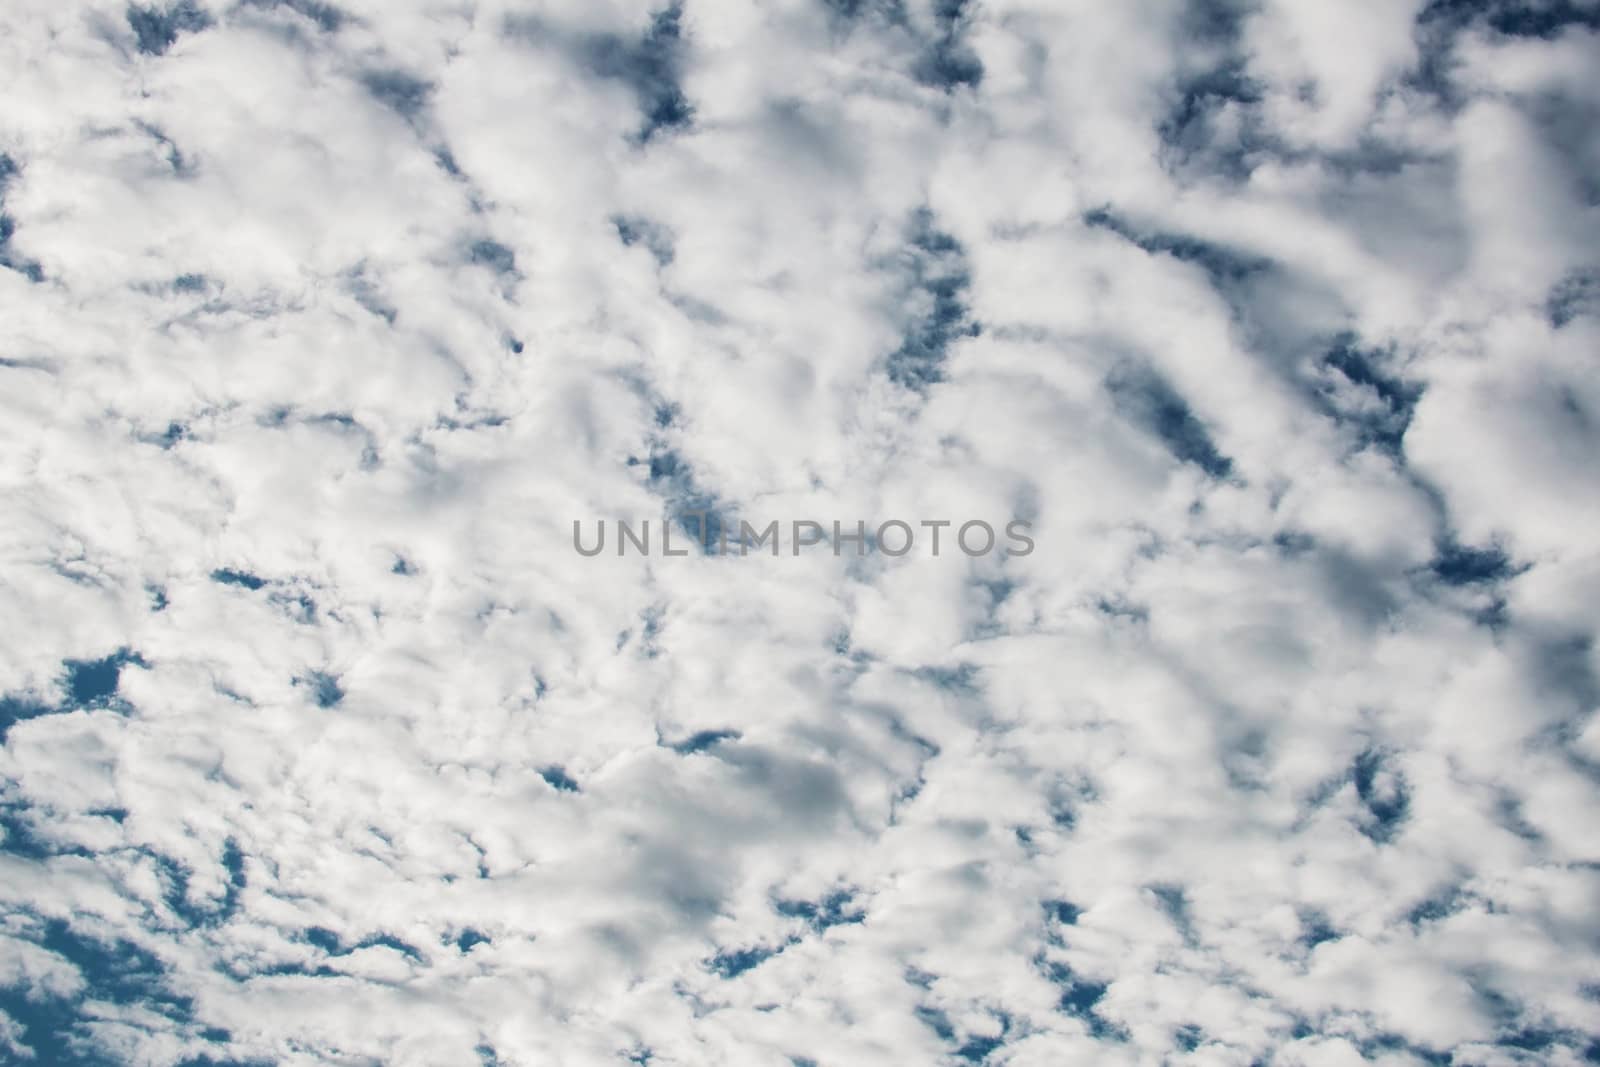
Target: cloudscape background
320	323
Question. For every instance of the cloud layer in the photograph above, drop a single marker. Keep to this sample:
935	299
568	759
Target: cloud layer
323	323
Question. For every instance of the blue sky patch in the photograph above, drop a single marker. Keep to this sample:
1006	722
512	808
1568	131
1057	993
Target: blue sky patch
157	29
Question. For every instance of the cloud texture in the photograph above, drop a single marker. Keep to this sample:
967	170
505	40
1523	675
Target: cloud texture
321	323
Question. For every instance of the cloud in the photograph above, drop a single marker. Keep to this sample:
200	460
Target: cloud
319	743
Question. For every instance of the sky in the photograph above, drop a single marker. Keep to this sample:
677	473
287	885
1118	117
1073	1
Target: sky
1276	322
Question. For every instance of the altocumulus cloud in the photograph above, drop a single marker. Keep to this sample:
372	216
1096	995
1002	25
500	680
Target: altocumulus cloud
322	322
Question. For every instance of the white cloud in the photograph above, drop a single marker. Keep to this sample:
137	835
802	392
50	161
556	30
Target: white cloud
323	324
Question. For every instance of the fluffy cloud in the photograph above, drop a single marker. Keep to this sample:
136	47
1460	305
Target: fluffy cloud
324	323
